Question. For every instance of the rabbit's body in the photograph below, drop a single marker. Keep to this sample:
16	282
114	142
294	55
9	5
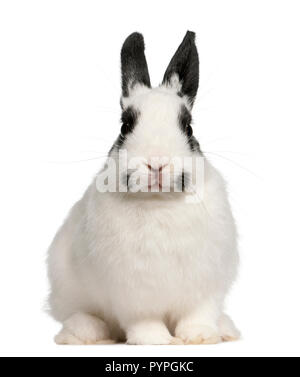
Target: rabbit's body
164	269
145	267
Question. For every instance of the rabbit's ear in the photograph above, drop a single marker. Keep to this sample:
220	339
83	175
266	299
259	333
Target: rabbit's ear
133	63
184	66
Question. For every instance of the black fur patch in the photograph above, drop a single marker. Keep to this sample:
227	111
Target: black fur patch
185	121
185	63
183	181
194	145
117	144
129	119
125	179
133	63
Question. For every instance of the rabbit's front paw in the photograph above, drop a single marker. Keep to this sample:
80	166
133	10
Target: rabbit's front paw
82	328
150	333
227	329
198	334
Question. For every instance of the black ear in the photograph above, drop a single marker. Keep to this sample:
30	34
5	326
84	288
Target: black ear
133	63
185	63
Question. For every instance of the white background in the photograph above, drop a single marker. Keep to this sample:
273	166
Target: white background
59	115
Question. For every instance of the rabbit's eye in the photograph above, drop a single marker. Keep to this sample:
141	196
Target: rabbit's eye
126	128
128	120
185	120
189	130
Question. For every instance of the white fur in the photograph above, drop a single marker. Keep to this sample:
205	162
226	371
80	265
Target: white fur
150	267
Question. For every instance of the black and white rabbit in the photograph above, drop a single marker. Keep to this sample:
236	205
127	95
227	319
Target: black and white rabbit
148	267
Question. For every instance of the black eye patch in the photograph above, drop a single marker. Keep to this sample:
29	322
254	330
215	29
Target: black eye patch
185	120
128	119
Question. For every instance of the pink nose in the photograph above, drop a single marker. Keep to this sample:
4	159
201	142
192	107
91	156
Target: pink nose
156	169
155	176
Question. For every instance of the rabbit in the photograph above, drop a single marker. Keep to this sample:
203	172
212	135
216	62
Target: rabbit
148	268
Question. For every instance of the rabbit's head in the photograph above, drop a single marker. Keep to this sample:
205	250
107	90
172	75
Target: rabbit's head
156	122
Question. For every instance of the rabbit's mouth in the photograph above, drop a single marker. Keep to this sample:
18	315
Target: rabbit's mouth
155	178
159	180
156	187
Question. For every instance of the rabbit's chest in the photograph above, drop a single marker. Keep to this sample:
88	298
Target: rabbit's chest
171	234
168	257
157	254
163	264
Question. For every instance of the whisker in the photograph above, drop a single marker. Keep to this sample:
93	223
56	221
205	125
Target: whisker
108	109
237	164
76	161
93	152
98	138
233	152
215	140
